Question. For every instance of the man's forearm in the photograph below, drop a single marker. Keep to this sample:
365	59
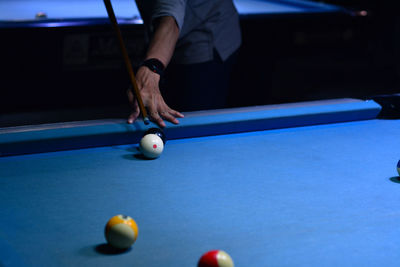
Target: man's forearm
164	40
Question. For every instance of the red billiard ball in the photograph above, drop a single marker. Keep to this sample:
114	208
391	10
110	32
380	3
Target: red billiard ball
215	258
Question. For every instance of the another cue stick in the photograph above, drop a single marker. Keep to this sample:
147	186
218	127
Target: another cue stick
114	22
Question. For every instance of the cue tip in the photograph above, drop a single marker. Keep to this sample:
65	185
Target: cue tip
146	121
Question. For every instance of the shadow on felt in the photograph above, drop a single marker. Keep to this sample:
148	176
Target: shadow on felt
106	249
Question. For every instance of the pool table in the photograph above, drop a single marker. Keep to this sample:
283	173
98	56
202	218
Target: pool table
301	184
22	13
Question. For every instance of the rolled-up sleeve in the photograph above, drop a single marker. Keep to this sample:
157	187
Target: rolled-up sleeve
153	9
173	8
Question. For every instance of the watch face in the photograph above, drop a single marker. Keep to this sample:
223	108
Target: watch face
154	65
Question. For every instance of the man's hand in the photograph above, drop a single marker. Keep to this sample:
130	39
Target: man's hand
148	84
161	47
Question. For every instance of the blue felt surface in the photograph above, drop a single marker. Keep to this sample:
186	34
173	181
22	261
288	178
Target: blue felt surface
309	196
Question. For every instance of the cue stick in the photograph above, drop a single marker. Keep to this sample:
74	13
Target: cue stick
127	61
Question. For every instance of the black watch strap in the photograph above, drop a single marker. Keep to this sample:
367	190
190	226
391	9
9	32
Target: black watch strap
154	65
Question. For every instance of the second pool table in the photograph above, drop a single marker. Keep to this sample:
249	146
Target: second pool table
22	13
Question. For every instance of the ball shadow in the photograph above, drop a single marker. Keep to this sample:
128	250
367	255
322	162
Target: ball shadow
395	179
141	157
130	157
137	156
106	249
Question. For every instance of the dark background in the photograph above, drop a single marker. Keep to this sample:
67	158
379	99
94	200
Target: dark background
77	73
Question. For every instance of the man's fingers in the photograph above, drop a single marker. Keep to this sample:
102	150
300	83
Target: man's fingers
135	112
132	117
131	97
176	114
158	110
171	116
155	117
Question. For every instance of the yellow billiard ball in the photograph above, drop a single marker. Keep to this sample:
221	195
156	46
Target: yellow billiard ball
41	15
121	231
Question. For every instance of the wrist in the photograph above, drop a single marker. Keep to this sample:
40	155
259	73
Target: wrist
154	65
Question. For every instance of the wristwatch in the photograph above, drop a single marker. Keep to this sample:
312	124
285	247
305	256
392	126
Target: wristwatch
154	65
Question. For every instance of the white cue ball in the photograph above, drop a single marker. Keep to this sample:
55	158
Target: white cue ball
151	146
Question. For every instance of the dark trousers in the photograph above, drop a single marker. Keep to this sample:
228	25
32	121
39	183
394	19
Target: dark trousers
190	87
